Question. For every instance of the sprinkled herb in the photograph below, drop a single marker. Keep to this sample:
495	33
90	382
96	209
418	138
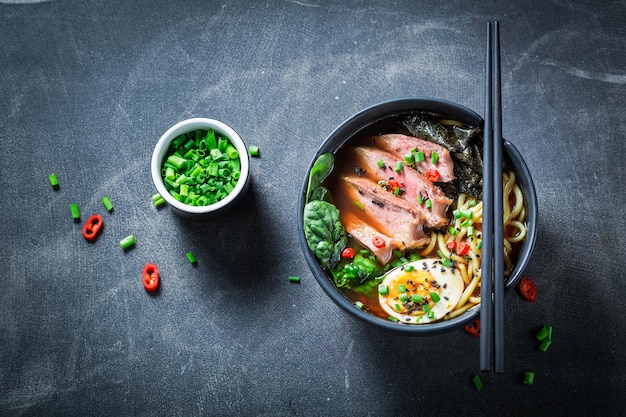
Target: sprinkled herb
106	201
529	378
253	150
75	212
54	182
294	279
478	383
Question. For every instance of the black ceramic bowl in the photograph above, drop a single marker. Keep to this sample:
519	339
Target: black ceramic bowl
376	115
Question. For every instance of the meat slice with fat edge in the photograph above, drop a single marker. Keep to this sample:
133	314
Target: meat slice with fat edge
365	235
390	215
412	184
401	145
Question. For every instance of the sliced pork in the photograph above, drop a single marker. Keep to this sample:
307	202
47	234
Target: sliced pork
413	187
390	215
401	145
367	236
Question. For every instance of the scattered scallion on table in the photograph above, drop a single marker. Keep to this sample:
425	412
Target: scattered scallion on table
294	279
478	383
191	258
75	211
54	182
106	201
529	378
253	150
127	242
157	200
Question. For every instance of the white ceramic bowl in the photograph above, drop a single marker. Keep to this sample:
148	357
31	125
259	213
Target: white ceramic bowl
213	210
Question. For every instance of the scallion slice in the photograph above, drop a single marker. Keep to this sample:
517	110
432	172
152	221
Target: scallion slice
75	211
127	242
106	201
54	182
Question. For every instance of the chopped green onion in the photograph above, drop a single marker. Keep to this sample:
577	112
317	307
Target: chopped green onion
545	344
201	168
544	333
529	378
435	297
408	158
359	205
253	150
420	199
157	200
419	156
383	289
456	213
416	298
127	242
409	268
54	182
398	167
401	288
429	204
468	214
359	304
403	297
472	203
75	211
426	308
191	258
106	201
398	308
395	320
478	383
470	231
479	244
452	230
434	158
430	314
294	279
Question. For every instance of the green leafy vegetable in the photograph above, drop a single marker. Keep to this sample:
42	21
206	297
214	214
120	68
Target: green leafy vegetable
324	232
321	169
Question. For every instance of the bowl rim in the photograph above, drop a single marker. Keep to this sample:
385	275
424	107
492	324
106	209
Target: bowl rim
366	117
185	126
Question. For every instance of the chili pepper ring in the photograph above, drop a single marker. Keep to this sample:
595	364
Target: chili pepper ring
92	227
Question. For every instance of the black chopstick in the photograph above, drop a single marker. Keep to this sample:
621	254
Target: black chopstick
498	223
486	300
492	264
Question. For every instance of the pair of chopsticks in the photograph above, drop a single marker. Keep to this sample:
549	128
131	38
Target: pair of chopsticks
492	267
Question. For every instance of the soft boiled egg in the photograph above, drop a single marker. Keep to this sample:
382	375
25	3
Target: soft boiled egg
421	291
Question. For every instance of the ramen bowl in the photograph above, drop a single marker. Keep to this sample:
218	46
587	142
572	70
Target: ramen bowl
385	118
193	189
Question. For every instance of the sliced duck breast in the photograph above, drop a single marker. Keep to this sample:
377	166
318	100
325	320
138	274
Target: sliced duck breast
392	216
413	186
401	145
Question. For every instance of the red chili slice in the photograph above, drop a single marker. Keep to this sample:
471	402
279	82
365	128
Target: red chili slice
347	253
378	241
462	248
92	227
474	328
150	277
528	290
433	175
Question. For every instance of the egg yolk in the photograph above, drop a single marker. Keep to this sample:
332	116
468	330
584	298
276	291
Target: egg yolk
411	292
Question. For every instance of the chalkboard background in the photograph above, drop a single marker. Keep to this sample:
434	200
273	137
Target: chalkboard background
87	88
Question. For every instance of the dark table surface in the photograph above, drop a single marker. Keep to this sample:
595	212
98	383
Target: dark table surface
87	88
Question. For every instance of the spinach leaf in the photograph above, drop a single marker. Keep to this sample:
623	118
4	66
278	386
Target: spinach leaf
320	170
324	232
